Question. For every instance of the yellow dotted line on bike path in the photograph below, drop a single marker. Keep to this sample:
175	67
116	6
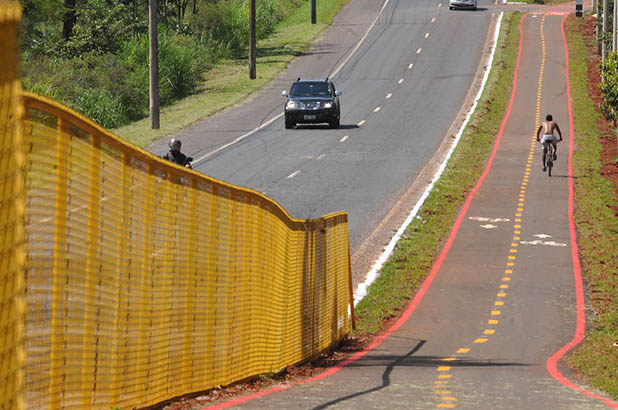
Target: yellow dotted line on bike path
441	384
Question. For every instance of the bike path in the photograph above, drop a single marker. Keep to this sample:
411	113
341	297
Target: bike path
503	296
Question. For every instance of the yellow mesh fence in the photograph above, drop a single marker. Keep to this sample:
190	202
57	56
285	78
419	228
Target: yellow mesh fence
12	206
143	280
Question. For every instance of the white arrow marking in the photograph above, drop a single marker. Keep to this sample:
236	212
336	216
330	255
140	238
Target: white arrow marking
542	236
483	219
488	226
539	242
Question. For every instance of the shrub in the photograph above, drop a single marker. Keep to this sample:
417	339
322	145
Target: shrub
181	62
609	87
101	106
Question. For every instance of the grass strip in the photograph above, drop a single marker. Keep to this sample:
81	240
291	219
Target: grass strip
411	261
228	82
596	359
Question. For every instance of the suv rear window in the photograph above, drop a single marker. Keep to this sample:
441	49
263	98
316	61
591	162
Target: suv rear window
308	88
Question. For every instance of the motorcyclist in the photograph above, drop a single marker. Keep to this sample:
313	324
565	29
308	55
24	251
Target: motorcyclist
175	155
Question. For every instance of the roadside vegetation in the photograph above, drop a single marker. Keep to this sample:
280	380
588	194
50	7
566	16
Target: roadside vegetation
596	359
413	257
93	54
228	83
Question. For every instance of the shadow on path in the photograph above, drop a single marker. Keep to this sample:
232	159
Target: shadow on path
393	361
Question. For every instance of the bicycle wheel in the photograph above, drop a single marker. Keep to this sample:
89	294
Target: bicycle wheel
550	158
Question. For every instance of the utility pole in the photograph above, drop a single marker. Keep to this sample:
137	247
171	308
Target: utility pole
604	31
597	10
614	28
154	64
252	41
313	12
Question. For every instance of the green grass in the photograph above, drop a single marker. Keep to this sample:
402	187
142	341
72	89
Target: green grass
228	82
597	229
413	257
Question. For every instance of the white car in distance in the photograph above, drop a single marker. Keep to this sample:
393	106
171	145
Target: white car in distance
462	4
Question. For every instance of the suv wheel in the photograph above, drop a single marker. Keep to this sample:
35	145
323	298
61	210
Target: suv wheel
289	124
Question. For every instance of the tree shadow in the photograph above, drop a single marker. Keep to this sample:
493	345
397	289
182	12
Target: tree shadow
393	361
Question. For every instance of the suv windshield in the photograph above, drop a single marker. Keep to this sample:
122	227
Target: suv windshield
307	88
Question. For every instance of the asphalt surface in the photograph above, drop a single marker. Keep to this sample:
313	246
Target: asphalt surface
402	90
502	299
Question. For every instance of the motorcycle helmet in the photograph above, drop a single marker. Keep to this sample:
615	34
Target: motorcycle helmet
175	144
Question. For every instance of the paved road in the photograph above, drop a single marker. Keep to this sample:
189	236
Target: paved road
402	90
502	300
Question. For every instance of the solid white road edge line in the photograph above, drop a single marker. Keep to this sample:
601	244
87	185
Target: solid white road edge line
361	289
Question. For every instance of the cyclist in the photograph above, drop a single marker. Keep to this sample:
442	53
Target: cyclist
175	155
548	127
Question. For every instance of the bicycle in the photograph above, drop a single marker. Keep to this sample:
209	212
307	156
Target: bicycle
549	156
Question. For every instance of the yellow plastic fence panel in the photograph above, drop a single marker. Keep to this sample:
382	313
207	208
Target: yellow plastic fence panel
146	281
12	208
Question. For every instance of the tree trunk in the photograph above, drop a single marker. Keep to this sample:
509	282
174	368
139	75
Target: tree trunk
69	19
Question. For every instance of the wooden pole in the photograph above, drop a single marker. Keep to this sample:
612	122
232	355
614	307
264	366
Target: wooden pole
313	12
154	64
252	70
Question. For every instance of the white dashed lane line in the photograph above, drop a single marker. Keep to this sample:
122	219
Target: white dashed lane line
377	109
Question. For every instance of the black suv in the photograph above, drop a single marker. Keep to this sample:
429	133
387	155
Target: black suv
312	101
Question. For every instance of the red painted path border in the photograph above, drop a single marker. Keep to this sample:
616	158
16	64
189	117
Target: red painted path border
580	330
581	324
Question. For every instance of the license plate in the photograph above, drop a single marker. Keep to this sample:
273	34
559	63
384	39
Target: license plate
310	117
